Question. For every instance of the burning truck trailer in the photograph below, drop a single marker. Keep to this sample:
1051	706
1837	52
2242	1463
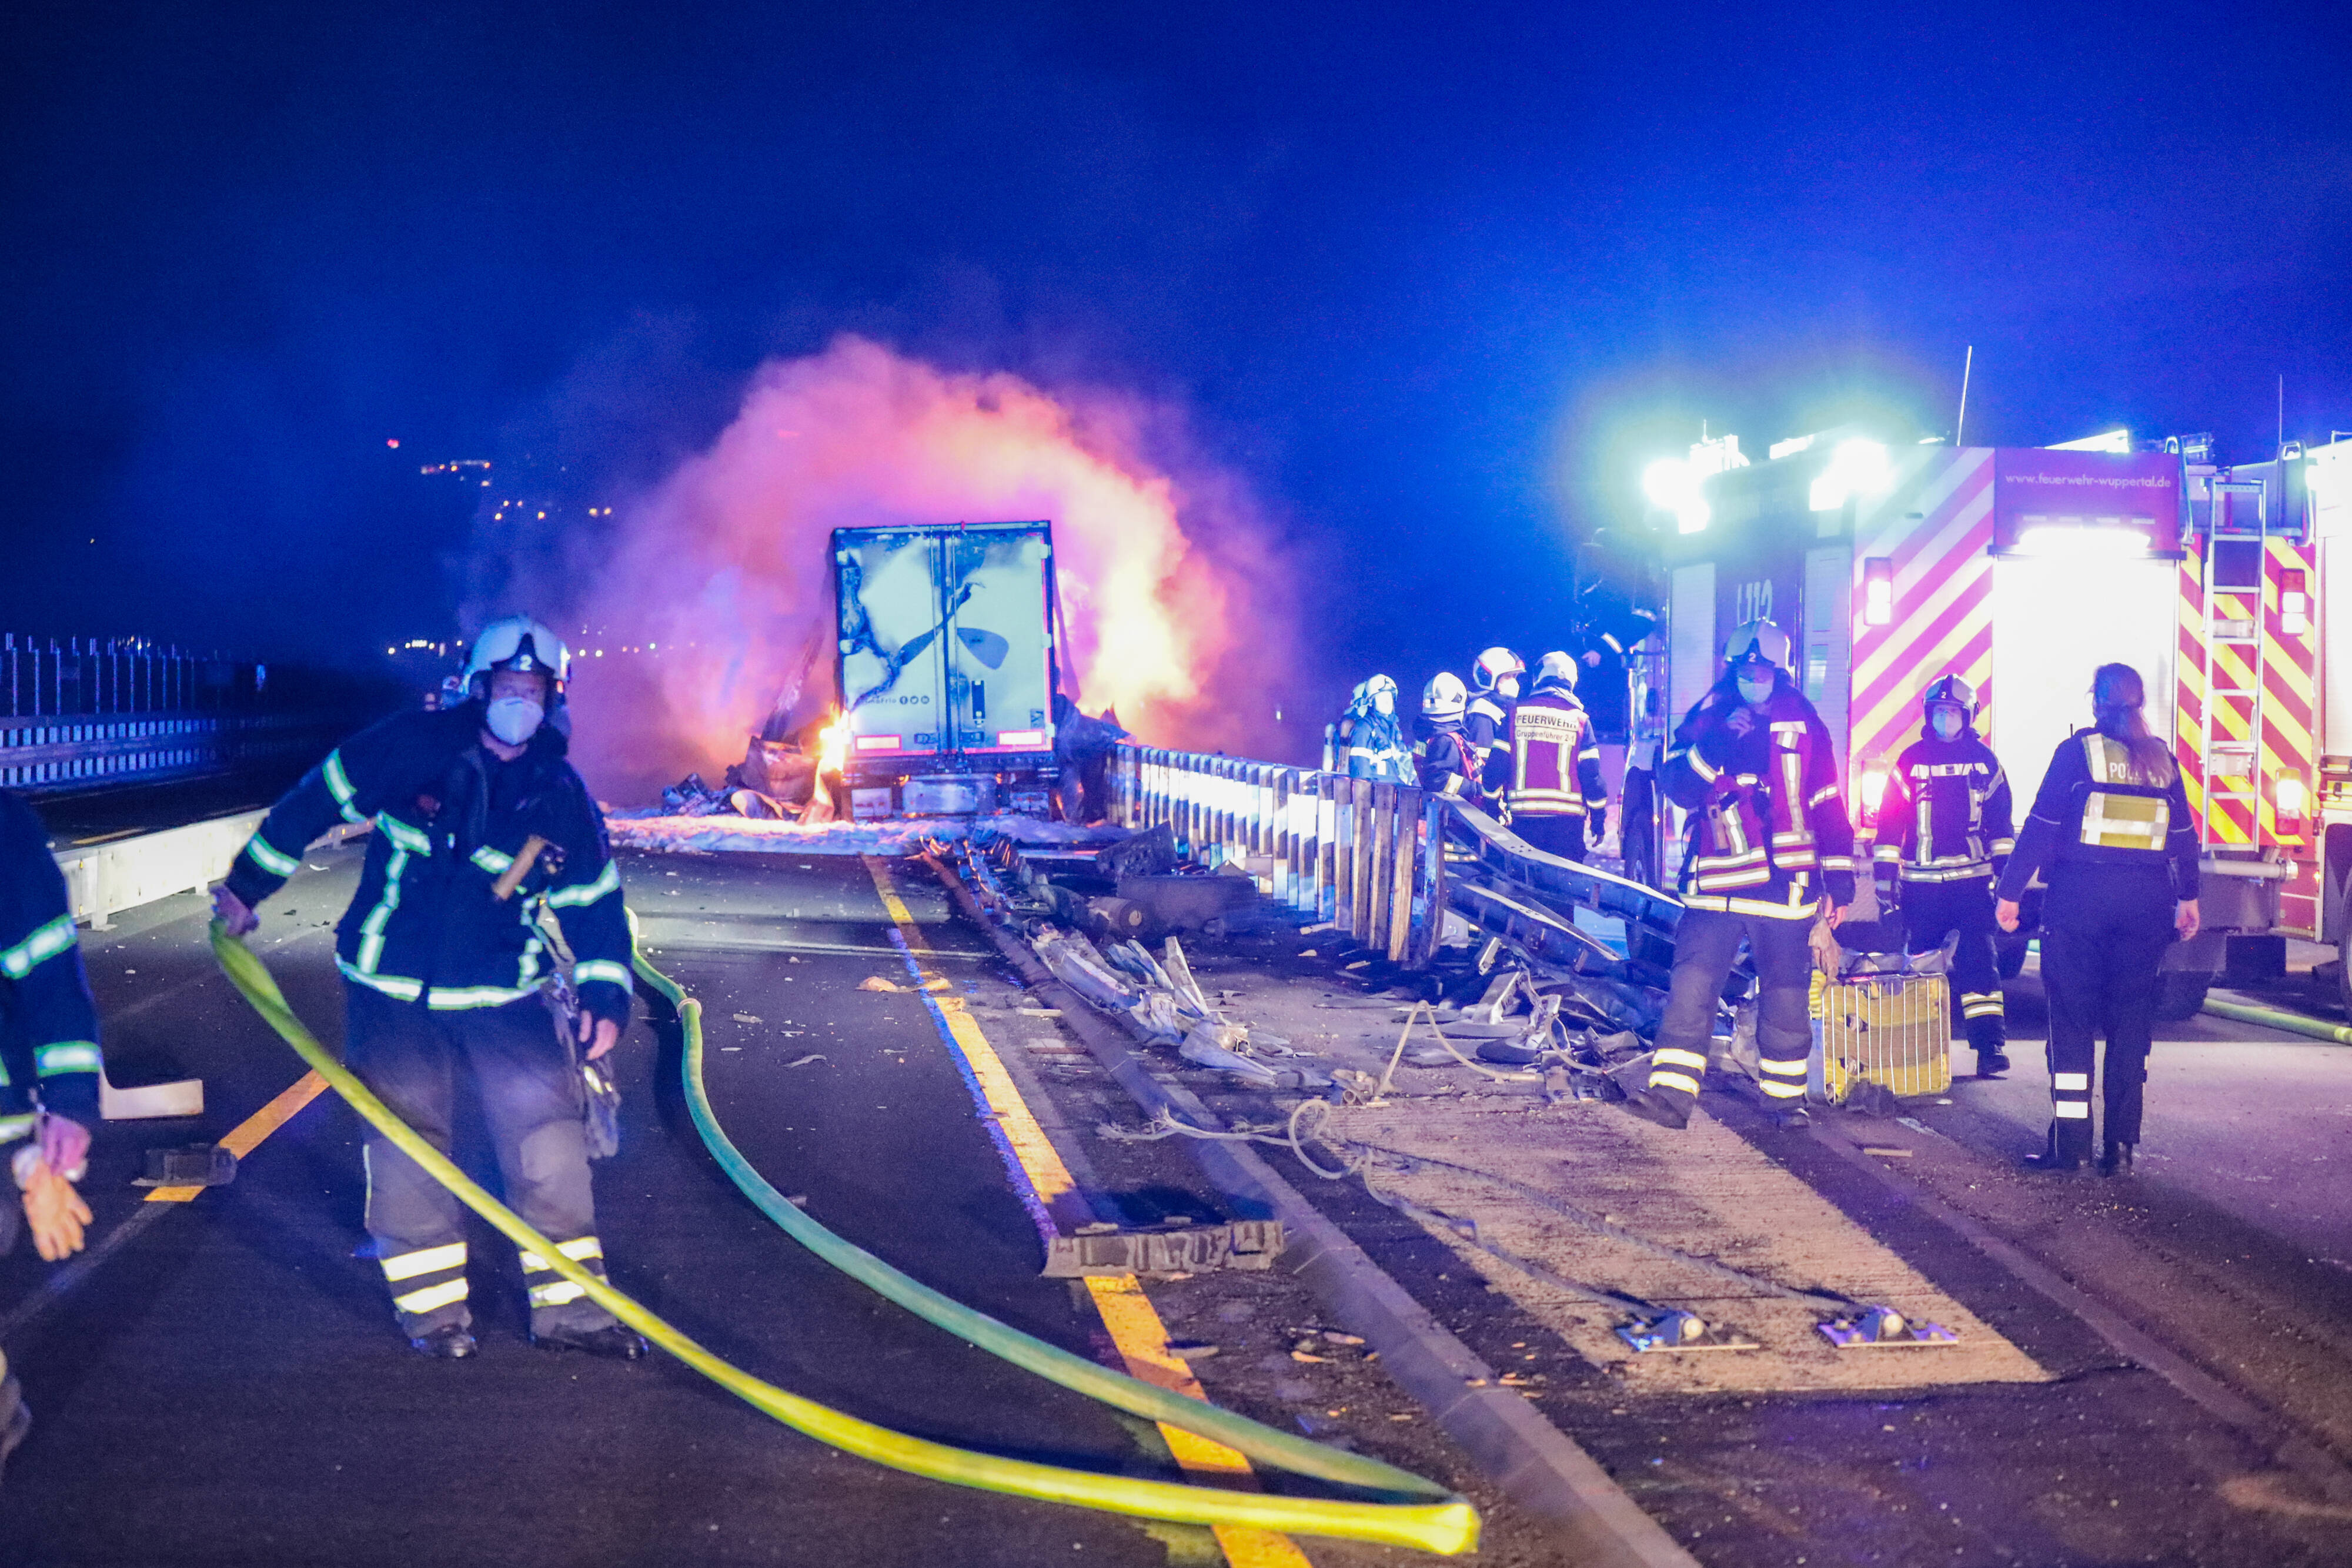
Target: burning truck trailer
947	669
2022	570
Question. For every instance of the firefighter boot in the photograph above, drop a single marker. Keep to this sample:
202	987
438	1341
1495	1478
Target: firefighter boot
2115	1158
2066	1148
1987	1038
612	1341
450	1341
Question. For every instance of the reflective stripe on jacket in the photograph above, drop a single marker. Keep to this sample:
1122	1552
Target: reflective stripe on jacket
1946	813
1555	758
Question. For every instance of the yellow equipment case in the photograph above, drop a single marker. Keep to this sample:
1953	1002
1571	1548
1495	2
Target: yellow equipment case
1890	1029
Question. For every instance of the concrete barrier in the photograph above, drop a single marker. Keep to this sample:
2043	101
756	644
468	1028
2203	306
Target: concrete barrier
103	879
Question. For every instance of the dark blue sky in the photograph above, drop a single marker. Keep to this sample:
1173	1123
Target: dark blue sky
1435	279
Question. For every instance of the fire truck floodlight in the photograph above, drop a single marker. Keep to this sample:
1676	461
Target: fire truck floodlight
1857	467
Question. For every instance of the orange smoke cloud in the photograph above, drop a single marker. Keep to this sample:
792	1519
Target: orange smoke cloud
719	577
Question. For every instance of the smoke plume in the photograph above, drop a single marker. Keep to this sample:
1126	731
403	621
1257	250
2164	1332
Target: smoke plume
710	593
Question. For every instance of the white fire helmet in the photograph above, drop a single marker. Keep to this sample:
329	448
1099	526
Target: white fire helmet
517	642
1443	698
1495	666
1759	640
1559	668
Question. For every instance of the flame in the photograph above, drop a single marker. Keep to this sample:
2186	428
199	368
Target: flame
1175	599
833	744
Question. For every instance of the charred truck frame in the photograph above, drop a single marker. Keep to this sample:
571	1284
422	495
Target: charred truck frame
947	666
2022	570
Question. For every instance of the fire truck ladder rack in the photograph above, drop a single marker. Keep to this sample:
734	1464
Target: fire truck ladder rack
2232	765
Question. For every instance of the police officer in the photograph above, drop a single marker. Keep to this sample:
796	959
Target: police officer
481	826
48	1047
2111	833
1943	836
1556	792
1444	758
1770	850
1372	738
1487	720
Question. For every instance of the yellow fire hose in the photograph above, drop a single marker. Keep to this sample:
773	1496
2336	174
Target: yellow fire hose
1449	1526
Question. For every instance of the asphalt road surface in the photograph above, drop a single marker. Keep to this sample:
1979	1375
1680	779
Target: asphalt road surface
225	1385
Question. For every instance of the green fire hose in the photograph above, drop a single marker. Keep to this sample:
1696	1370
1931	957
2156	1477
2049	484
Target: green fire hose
2272	1018
1448	1526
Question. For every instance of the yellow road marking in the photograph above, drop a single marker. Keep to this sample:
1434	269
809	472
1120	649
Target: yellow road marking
247	1134
1127	1314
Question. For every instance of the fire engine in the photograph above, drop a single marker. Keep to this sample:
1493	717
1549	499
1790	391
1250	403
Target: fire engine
2022	570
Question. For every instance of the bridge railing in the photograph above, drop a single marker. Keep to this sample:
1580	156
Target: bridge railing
1385	862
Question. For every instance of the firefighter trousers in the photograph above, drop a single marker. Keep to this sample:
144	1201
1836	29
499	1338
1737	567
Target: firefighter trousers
2103	933
1932	911
531	1100
1706	944
1555	835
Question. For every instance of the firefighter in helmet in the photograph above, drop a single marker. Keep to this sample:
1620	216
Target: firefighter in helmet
1557	793
1372	738
1444	758
482	828
2111	834
1487	719
1770	850
1943	838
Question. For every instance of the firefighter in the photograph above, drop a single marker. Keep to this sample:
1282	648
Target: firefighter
1444	760
48	1047
1943	836
480	826
1487	720
1557	793
1770	850
2111	834
1373	737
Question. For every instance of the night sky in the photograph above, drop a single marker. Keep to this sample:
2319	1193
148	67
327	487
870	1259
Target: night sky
1435	280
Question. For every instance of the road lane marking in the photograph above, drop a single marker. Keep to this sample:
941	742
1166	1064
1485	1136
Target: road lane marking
1042	1180
247	1134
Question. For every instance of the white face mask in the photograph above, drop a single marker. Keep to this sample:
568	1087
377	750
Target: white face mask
514	719
1509	687
1385	703
1944	722
1757	692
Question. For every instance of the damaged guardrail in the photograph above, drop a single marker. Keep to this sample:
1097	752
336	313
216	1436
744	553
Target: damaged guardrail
1382	863
1367	857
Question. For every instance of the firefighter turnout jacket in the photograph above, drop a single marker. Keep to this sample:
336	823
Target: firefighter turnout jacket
2093	811
451	821
1768	833
1946	813
1445	762
1555	756
48	1025
1486	727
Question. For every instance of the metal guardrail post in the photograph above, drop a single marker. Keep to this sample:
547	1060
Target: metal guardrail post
1277	828
1404	861
1359	860
1327	848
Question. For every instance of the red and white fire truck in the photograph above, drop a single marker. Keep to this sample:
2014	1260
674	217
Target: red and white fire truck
2022	570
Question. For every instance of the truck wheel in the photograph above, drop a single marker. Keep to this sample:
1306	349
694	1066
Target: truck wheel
2180	993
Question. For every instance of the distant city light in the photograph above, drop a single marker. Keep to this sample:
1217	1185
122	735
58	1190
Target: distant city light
393	441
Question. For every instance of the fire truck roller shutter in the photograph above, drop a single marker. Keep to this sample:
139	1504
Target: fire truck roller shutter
2049	635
